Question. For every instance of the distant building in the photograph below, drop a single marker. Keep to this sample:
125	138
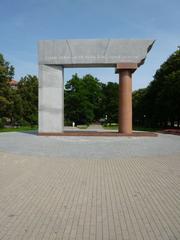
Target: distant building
13	83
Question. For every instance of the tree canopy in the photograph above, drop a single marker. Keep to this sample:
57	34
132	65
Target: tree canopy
89	100
27	90
6	74
159	103
18	106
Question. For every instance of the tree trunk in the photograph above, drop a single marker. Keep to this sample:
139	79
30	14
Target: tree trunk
178	123
172	123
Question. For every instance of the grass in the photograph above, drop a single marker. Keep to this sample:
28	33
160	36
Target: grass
18	129
111	127
82	126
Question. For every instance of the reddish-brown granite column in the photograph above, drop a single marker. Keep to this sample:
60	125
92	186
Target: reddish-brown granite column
125	101
125	71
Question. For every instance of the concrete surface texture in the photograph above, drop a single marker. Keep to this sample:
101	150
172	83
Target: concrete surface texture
51	98
53	56
89	188
93	52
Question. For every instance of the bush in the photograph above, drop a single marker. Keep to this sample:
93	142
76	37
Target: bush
2	122
22	122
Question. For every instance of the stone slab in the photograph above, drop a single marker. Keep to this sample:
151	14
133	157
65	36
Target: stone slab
51	98
93	52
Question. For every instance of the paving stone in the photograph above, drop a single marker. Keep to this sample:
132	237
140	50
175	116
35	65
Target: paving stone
113	189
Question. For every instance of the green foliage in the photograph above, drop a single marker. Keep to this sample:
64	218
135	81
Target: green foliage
160	101
4	104
82	101
110	99
88	100
20	105
27	100
19	129
139	106
6	74
2	122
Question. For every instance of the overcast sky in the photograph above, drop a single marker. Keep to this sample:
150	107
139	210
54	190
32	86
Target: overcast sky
23	23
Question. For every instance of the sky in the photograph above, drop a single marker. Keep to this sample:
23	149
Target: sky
24	23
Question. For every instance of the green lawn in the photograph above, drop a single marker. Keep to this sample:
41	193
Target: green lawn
18	129
111	127
82	126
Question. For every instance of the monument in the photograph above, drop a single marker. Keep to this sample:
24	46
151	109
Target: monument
53	56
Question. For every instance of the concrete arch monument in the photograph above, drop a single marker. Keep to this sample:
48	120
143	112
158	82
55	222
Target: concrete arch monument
53	56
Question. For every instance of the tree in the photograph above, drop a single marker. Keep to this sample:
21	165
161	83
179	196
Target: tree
6	72
164	91
109	105
139	106
94	94
15	110
17	106
82	102
160	101
4	104
6	75
27	100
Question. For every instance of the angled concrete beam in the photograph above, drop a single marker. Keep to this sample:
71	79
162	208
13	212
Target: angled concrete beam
93	52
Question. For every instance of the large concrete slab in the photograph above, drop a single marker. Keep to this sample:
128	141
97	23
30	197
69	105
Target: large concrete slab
93	52
51	98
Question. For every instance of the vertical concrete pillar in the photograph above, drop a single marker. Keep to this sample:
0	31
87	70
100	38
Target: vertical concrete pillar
51	99
125	101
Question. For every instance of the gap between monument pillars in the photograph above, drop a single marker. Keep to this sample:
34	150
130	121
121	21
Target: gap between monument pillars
51	99
125	96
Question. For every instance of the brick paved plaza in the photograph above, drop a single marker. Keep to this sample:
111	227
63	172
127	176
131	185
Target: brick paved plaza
89	188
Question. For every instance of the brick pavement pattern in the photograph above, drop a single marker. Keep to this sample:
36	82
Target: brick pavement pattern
117	196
